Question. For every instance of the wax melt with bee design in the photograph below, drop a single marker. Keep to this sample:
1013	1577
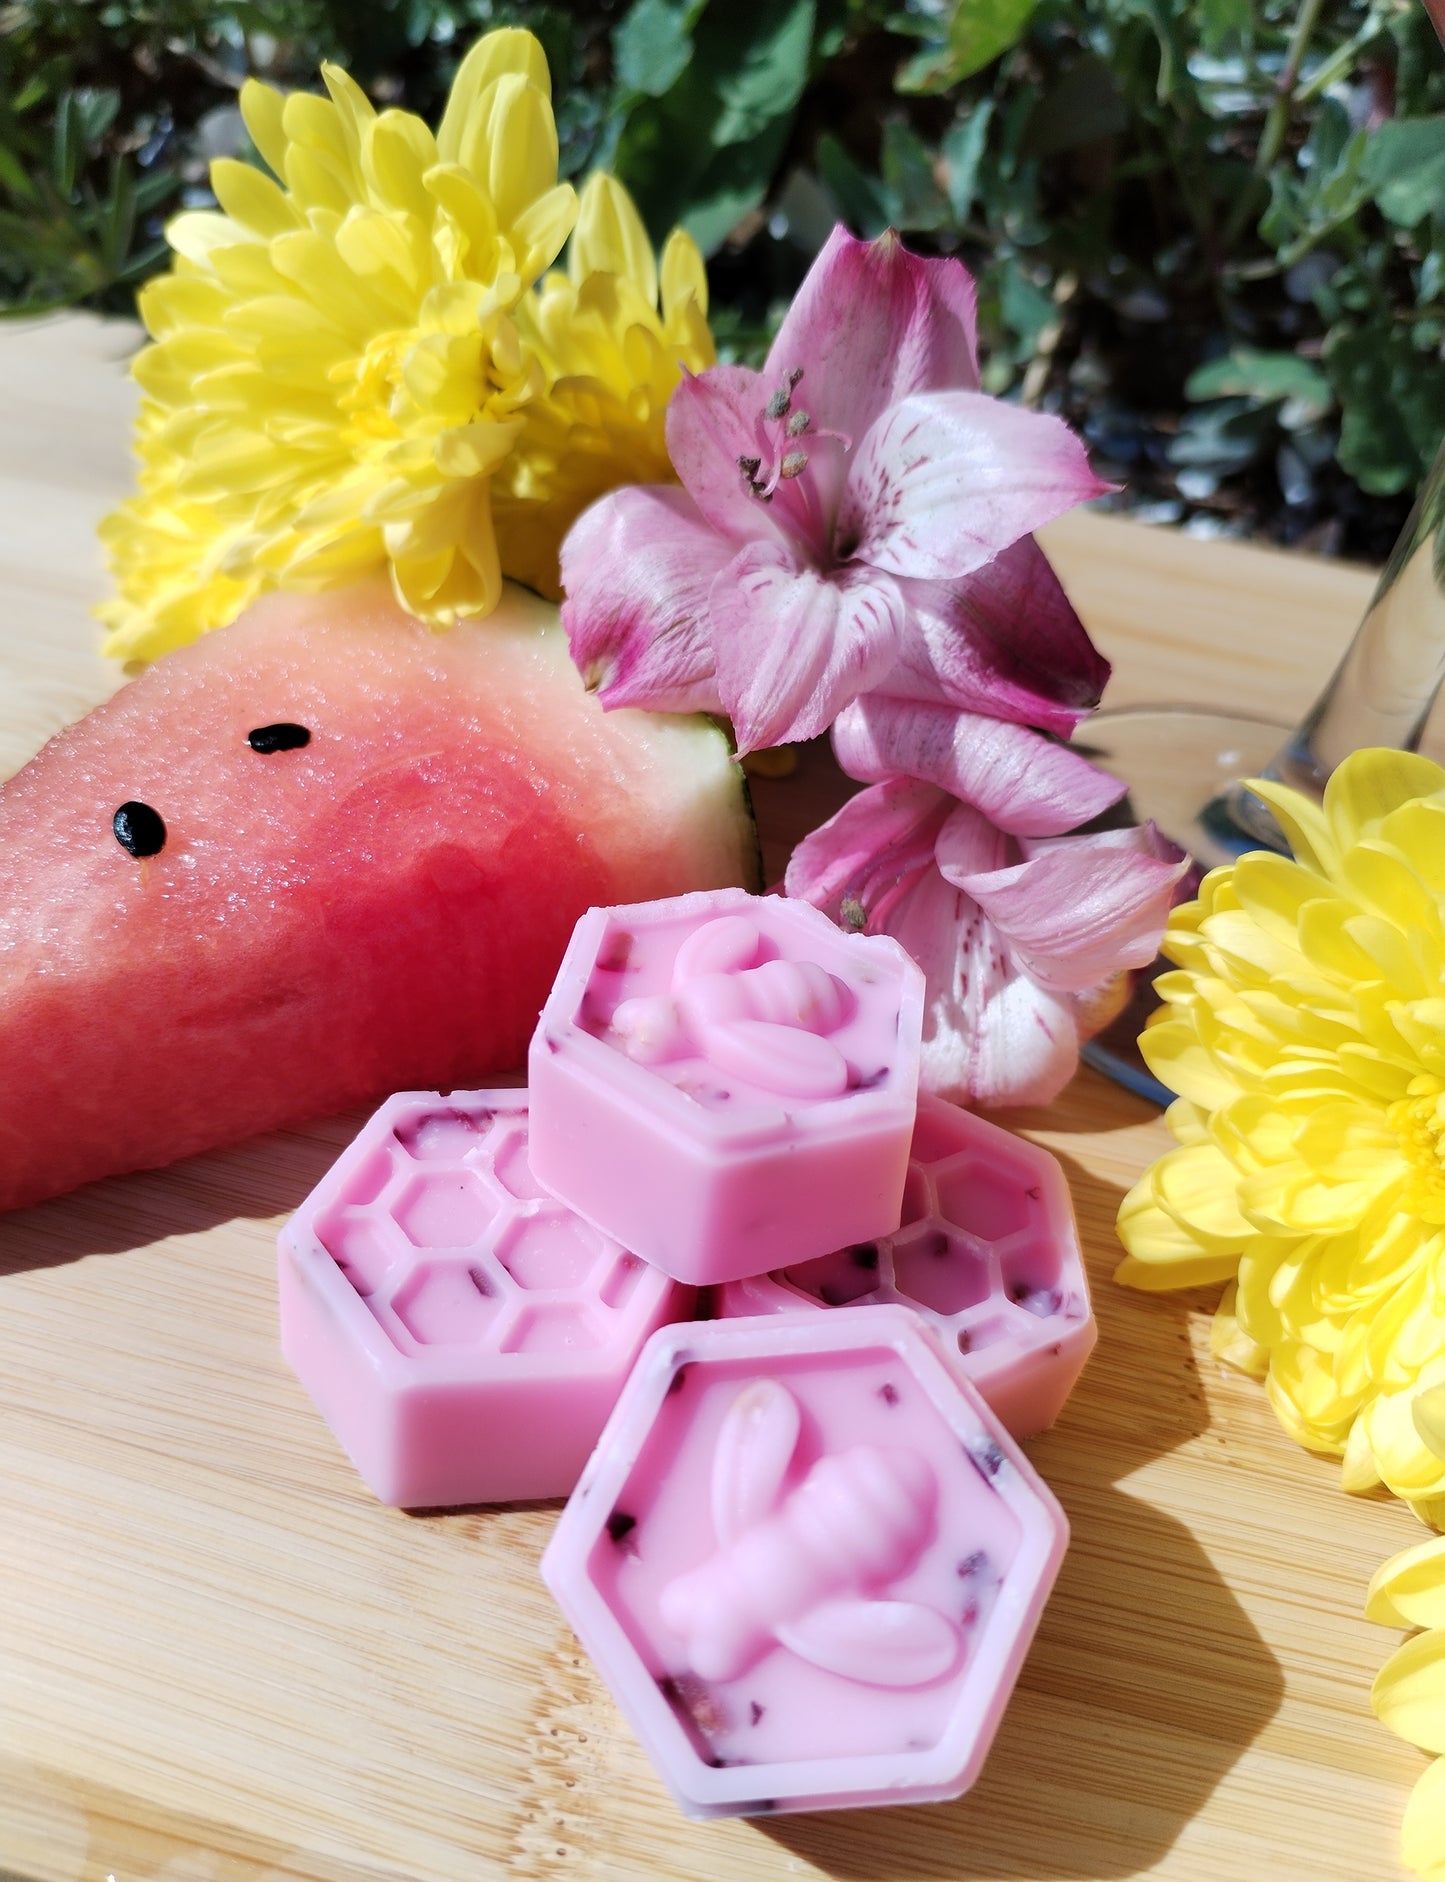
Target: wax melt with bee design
727	1083
808	1562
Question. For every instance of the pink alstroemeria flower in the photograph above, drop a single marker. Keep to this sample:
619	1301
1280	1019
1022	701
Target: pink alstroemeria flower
858	512
1019	930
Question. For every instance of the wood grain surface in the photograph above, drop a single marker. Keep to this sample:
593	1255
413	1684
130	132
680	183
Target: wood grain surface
220	1661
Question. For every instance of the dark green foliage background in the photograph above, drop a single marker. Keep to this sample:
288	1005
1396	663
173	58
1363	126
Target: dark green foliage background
1211	234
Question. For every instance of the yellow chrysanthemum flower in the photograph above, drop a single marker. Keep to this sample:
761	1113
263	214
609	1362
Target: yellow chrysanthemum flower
351	362
1305	1035
614	334
1409	1692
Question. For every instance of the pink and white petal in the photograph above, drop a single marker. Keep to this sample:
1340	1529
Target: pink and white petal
1024	783
1004	640
713	419
970	845
870	325
1080	909
991	1036
944	480
794	647
866	851
637	568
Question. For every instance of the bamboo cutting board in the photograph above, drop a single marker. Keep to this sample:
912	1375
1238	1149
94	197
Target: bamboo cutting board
220	1661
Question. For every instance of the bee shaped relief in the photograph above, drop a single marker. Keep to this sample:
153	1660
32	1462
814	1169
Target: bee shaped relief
766	1022
809	1568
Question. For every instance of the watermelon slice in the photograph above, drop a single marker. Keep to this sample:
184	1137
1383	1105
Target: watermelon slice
322	855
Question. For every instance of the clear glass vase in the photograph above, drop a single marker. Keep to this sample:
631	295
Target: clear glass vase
1187	769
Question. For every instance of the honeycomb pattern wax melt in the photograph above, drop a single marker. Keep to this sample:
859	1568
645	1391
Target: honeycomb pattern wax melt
463	1334
808	1562
727	1082
988	1252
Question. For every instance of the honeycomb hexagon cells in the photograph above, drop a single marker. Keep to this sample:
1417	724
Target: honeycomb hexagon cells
987	1200
446	1303
445	1208
940	1269
360	1245
513	1167
839	1278
552	1327
548	1249
917	1197
449	1133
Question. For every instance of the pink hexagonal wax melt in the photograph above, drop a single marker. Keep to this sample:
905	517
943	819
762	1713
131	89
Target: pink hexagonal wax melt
988	1252
807	1561
727	1082
463	1334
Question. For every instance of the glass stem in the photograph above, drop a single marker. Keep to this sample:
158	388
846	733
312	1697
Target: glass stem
1382	690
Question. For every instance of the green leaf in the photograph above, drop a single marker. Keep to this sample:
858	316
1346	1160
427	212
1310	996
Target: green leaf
913	192
1025	308
1266	378
766	82
981	30
97	113
652	44
12	175
119	223
68	145
1327	141
862	200
1393	401
1224	25
1405	168
734	183
962	150
737	94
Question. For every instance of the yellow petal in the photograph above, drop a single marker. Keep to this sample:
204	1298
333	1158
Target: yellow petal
1416	831
196	232
508	50
1370	784
684	278
1178	1058
521	155
1409	1691
397	150
475	450
251	199
1428	1411
609	237
1161	1252
1304	824
1409	1589
1229	1342
262	107
1359	1473
1422	1832
1196	1185
542	227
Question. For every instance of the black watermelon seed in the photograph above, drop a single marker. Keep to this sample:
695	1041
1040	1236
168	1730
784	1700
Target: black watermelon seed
139	829
620	1525
888	1393
282	737
755	1711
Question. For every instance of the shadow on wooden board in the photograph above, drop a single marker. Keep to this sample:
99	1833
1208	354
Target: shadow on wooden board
1177	1678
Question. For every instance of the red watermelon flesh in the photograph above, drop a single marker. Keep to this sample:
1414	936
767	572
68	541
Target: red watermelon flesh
381	908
